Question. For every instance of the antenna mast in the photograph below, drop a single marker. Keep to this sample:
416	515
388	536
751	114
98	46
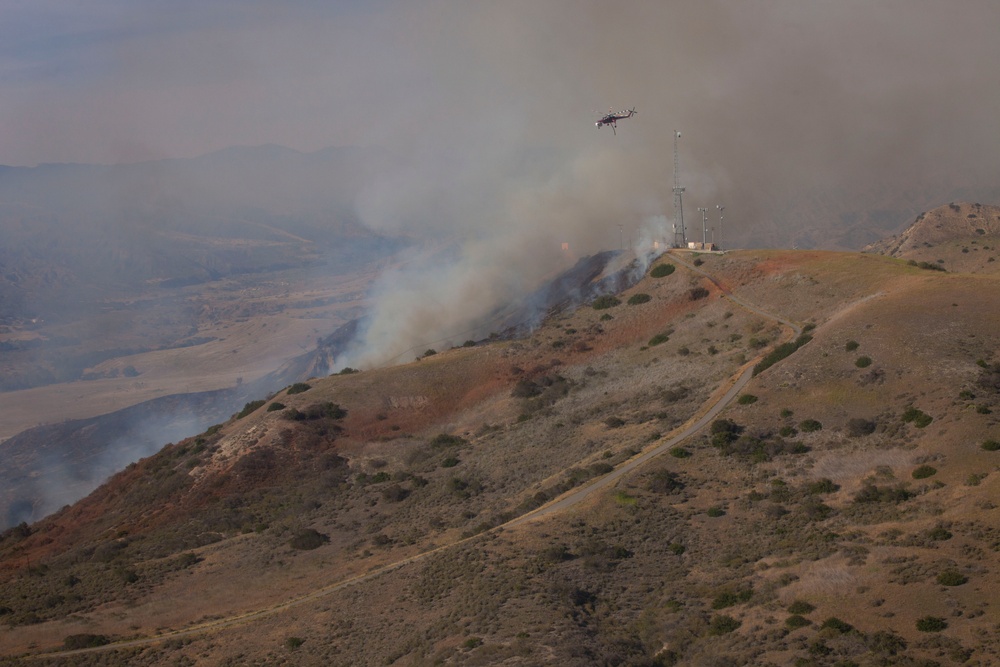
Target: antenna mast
680	234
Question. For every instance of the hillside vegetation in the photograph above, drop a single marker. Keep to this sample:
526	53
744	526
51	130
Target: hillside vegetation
840	510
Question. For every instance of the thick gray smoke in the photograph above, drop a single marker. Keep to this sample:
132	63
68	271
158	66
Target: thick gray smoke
823	124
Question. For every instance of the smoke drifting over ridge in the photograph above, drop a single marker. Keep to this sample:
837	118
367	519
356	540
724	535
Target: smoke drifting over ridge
798	117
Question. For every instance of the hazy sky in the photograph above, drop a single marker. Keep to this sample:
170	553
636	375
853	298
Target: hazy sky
124	80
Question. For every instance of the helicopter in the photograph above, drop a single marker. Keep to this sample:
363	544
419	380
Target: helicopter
612	118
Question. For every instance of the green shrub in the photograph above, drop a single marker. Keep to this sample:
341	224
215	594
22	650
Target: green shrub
781	352
697	293
746	399
75	642
293	643
836	624
676	548
919	418
298	388
939	534
795	621
931	624
810	425
249	408
787	432
858	428
347	370
658	339
863	362
662	270
800	607
308	538
820	486
871	493
680	453
715	512
851	345
951	578
923	472
732	598
990	445
614	422
606	301
665	481
442	440
273	407
449	462
722	624
637	299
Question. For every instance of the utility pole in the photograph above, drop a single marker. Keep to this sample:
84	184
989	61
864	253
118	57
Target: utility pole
621	237
721	209
704	227
678	199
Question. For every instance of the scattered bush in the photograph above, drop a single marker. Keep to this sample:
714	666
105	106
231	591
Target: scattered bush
746	399
293	643
662	270
923	472
851	345
273	407
863	362
931	624
951	578
637	299
715	512
449	462
680	453
990	445
606	301
298	388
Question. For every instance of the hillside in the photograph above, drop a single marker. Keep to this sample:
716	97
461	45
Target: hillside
839	510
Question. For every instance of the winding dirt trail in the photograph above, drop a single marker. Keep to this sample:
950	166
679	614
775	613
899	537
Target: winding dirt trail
706	414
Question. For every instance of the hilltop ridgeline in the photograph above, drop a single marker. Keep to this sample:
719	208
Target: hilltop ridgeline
838	509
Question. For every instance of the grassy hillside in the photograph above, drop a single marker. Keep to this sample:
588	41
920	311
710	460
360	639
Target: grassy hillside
838	511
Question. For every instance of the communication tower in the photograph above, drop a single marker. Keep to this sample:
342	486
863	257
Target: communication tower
680	234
